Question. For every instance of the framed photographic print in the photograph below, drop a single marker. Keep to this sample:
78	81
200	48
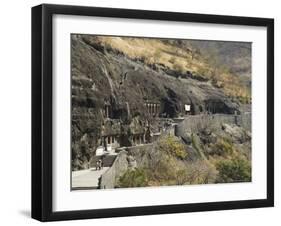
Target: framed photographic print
146	112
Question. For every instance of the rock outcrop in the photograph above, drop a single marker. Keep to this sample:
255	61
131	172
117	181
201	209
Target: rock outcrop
113	95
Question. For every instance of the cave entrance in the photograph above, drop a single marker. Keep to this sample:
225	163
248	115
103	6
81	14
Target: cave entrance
217	107
110	143
138	139
170	109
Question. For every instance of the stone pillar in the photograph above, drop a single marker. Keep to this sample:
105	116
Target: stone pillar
139	136
157	109
107	111
105	143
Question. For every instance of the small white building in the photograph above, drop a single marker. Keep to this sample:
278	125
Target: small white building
187	108
101	150
107	145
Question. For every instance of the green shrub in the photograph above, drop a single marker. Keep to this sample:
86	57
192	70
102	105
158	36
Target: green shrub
199	172
162	170
173	146
133	178
223	147
237	169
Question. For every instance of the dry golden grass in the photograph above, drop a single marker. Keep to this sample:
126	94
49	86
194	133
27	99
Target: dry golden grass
154	51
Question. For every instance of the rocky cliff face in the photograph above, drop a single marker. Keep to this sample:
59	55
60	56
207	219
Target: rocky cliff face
113	94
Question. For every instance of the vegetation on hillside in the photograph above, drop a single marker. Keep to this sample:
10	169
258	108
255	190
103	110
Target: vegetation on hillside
133	178
181	58
232	163
219	160
170	168
171	145
235	169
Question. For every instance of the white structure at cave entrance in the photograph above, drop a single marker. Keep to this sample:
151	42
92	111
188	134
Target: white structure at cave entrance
101	150
187	108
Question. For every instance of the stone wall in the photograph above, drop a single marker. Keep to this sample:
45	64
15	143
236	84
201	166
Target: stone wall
245	121
141	154
194	123
122	163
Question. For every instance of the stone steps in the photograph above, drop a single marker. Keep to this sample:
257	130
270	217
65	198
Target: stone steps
108	160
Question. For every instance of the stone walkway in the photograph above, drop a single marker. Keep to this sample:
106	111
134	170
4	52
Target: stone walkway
86	179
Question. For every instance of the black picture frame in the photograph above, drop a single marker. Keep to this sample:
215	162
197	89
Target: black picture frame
42	111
